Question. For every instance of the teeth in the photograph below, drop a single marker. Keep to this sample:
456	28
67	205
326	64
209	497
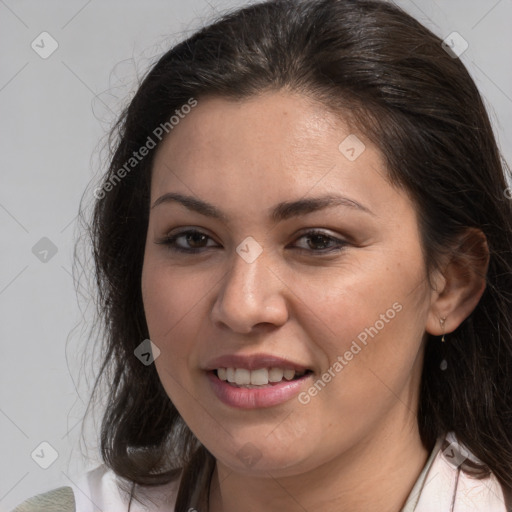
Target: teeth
242	376
260	377
230	374
275	375
289	374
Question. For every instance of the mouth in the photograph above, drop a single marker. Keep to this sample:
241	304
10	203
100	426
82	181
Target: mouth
258	378
253	381
259	388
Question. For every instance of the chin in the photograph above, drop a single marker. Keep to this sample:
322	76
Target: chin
256	459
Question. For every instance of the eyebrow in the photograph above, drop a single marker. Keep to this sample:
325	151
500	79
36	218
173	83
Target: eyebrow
281	212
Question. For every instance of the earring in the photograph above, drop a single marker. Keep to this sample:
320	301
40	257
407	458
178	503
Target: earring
444	363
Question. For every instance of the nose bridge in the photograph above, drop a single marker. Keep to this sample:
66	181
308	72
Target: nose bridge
248	274
250	292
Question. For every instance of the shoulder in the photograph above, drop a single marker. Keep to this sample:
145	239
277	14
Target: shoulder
61	500
452	481
102	489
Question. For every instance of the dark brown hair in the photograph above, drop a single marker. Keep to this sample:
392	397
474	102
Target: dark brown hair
389	75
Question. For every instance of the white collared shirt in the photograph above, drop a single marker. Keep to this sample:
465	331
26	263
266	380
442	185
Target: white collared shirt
442	486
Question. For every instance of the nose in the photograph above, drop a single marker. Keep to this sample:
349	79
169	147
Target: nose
250	296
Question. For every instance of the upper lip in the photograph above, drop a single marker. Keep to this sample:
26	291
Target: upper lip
253	362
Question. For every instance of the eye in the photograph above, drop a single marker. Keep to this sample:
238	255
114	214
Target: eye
193	241
189	241
321	242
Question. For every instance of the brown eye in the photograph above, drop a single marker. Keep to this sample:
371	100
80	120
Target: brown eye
320	242
196	239
189	241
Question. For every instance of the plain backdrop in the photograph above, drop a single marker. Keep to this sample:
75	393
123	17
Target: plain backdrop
55	112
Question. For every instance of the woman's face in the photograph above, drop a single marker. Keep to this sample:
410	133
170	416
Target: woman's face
305	258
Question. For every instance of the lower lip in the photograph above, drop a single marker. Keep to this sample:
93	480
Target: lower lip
254	398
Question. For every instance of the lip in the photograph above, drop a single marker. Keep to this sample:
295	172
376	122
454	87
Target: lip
254	398
254	362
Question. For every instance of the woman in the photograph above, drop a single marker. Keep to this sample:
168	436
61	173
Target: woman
303	252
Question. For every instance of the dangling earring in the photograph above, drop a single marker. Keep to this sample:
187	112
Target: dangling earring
444	363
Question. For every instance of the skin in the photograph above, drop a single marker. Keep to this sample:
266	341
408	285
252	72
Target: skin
360	432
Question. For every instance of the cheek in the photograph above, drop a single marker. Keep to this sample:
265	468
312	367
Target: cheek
372	316
166	314
175	306
170	295
367	299
164	307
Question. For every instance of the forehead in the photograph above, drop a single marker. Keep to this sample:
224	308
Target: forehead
254	153
279	124
280	132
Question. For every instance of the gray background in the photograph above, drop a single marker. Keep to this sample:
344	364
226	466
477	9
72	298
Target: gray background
54	116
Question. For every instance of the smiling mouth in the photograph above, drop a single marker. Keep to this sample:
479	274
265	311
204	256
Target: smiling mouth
260	378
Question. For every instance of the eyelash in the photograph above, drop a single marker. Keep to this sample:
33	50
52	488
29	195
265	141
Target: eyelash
170	242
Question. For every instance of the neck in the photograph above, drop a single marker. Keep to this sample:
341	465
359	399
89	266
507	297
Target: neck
387	463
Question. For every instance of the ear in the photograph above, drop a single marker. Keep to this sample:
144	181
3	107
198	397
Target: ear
459	285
